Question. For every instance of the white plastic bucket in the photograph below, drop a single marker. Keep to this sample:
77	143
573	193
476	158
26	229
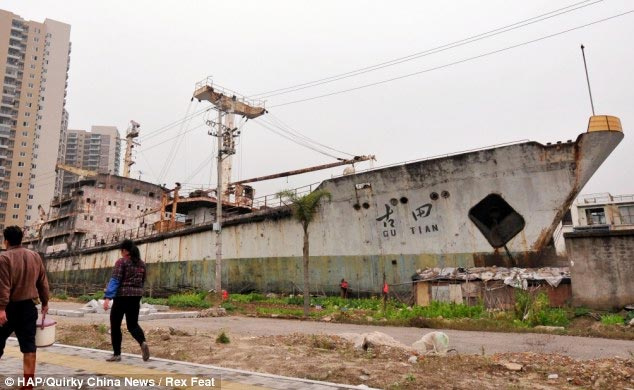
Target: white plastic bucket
45	332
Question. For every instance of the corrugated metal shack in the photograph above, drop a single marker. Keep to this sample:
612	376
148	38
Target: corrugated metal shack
494	286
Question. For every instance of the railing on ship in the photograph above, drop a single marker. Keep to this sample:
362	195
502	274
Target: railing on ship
259	204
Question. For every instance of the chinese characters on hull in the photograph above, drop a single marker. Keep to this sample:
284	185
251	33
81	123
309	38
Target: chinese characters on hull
419	214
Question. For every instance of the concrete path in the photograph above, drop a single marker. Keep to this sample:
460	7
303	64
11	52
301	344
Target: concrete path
62	367
466	342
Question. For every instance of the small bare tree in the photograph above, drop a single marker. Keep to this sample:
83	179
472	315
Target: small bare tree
304	210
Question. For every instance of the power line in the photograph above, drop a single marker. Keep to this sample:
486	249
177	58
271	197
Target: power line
438	49
173	124
175	147
455	62
171	138
282	125
296	140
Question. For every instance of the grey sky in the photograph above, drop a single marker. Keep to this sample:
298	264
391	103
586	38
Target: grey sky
140	60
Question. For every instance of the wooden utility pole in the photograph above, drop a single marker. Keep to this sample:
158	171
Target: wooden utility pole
228	103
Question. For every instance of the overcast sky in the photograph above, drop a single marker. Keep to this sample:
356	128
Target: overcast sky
141	59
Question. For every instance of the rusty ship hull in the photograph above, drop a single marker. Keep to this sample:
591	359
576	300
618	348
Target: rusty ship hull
496	206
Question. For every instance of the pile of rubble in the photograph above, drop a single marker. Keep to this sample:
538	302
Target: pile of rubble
432	343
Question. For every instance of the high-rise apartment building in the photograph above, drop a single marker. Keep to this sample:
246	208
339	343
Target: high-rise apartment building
96	150
34	61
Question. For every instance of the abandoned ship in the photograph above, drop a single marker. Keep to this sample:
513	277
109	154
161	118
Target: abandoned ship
494	206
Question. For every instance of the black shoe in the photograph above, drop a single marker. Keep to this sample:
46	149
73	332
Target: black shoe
145	350
114	358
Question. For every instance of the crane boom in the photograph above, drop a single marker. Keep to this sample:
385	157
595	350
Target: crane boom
354	160
75	170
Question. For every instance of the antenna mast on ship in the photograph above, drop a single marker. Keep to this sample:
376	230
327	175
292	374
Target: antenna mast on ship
130	135
227	103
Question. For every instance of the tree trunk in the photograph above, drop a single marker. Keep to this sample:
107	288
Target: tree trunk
306	278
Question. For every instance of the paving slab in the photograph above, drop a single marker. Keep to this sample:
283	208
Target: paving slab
62	367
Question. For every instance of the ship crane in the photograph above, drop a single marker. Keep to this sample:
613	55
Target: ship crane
352	161
82	173
130	135
164	197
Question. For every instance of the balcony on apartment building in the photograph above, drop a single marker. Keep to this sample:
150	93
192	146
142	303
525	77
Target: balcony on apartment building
5	131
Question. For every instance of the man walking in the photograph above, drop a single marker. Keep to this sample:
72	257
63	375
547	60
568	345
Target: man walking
22	281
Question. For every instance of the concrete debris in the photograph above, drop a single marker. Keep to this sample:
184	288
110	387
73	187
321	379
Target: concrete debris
70	313
512	366
170	315
369	340
178	332
550	328
514	277
327	319
413	359
213	312
433	343
96	306
553	376
364	377
631	322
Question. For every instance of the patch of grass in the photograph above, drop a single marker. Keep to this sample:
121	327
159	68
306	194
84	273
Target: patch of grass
61	296
228	306
581	311
223	338
612	319
247	298
155	301
280	311
189	300
89	297
295	300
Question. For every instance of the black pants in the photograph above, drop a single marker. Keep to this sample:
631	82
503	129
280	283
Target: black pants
21	318
128	306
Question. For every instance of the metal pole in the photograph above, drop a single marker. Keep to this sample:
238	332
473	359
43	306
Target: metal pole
219	190
583	53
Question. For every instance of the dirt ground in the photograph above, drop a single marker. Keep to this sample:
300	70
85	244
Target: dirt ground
331	358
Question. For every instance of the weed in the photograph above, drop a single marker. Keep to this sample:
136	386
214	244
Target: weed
534	309
102	329
87	298
61	296
222	338
612	319
228	306
322	342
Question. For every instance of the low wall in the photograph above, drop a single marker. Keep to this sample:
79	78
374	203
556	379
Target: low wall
601	268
